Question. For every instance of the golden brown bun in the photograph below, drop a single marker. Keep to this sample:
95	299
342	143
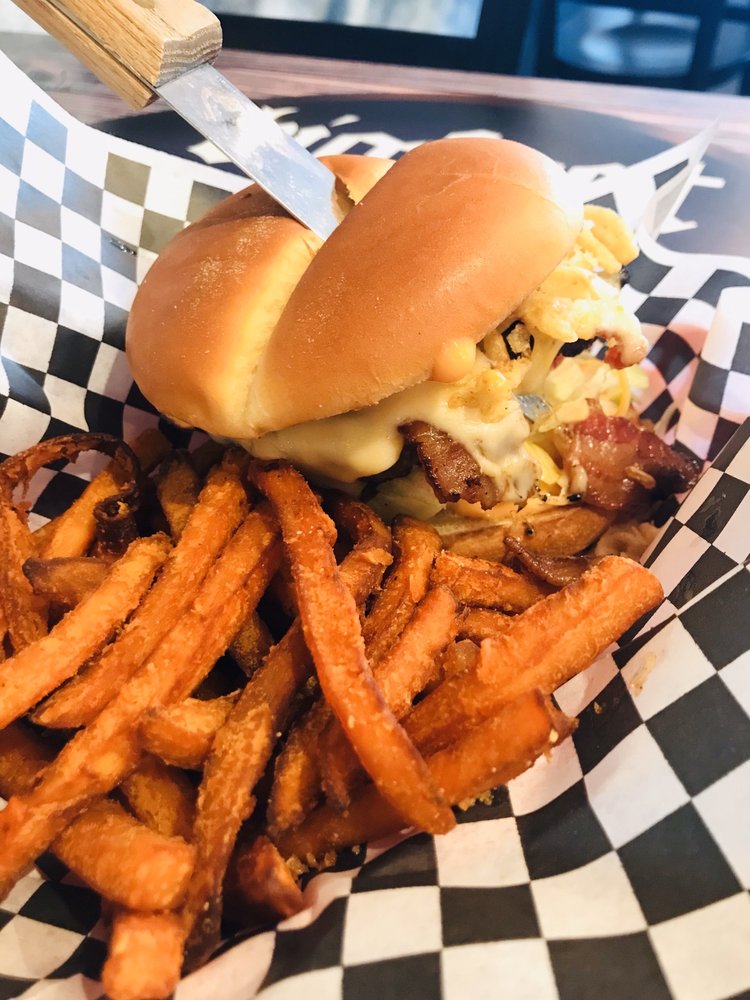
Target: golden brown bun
243	325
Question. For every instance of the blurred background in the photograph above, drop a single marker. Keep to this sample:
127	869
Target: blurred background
699	45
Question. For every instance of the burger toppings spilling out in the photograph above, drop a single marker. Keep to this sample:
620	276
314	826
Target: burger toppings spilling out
435	355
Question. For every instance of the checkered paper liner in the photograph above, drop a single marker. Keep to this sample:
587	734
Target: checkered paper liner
618	867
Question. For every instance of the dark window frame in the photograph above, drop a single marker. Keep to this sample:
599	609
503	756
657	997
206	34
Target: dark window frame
496	47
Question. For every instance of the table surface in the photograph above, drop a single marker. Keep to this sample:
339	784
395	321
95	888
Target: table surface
674	115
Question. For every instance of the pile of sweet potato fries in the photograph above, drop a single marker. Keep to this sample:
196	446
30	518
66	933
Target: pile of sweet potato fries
213	679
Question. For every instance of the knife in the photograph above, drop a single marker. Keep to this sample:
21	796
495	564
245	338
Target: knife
142	49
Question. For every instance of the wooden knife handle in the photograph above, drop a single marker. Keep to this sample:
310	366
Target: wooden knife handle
131	45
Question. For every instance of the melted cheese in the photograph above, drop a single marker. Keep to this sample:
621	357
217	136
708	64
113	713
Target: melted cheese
471	394
454	360
366	442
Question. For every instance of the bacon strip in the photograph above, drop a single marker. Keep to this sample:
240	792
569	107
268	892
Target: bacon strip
626	464
451	471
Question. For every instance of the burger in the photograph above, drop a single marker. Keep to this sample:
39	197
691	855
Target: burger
437	354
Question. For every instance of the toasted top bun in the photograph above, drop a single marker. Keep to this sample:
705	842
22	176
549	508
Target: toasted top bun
246	324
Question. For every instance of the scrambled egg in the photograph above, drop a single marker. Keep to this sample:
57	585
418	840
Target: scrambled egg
578	301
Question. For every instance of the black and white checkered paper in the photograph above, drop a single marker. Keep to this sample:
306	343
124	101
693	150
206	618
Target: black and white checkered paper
620	866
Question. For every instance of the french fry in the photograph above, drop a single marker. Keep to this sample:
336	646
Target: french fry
126	861
95	843
482	623
24	614
66	580
259	886
405	671
370	537
242	748
23	755
72	533
181	734
416	546
479	646
282	591
483	757
156	939
247	599
178	488
410	664
99	756
46	663
221	506
542	648
484	584
331	626
161	797
238	757
296	784
459	656
250	646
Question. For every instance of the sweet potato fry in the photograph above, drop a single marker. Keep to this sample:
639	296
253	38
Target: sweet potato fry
296	784
250	646
42	666
241	750
459	656
156	939
221	506
332	632
98	757
161	797
181	734
23	755
125	860
239	755
72	533
366	531
259	887
24	614
95	844
484	584
482	623
405	671
411	663
178	488
484	757
416	546
237	760
112	515
542	648
66	580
